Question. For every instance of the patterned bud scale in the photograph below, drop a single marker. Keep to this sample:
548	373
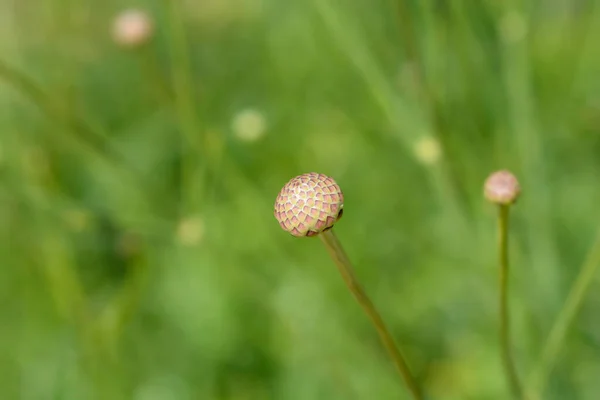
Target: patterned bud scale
309	204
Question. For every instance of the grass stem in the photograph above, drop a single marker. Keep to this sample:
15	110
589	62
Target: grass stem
192	173
565	318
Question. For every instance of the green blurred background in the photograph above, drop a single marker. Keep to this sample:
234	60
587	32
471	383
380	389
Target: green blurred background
139	254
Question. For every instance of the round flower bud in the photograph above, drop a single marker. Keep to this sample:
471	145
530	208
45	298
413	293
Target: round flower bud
502	188
309	204
132	28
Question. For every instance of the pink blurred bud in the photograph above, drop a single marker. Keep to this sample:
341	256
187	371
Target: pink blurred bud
132	28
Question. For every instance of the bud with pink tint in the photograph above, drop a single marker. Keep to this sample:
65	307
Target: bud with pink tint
309	204
132	28
502	187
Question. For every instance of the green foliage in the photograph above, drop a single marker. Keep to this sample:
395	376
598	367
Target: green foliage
139	254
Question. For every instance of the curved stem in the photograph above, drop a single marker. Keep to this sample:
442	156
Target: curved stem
507	358
337	253
566	316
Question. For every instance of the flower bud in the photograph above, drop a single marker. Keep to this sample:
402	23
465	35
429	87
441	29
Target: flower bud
309	204
502	188
132	28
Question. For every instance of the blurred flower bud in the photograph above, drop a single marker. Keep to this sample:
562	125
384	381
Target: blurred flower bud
190	231
248	125
427	150
132	28
502	188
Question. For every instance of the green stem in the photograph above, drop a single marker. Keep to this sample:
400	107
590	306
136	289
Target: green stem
192	173
507	358
337	253
565	317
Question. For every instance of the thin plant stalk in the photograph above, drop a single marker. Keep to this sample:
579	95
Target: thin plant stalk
192	173
565	317
505	345
337	253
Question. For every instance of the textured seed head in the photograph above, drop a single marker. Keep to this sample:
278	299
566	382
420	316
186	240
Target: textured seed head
309	204
502	188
